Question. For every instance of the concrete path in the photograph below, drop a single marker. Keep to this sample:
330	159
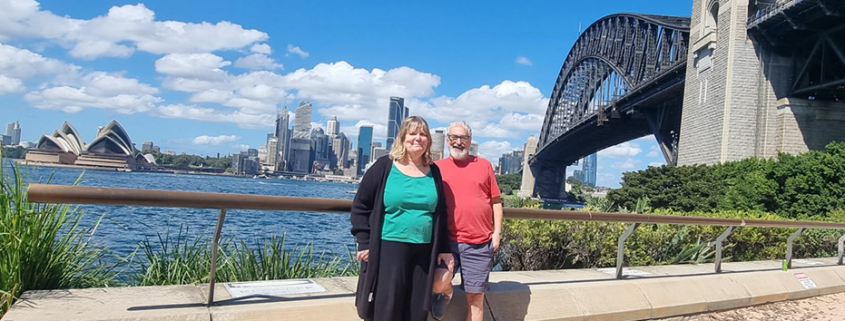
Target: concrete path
588	294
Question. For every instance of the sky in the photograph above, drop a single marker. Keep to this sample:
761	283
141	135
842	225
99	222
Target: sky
207	77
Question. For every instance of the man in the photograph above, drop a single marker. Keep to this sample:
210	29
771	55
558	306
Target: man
474	208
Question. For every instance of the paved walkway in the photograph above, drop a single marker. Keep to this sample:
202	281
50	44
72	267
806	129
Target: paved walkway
821	308
587	294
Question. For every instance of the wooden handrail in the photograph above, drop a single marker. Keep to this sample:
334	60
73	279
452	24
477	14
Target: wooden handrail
44	193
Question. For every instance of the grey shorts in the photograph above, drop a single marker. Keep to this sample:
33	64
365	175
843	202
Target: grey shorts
474	260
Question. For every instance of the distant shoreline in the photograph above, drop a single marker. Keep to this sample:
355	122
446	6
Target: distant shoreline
106	169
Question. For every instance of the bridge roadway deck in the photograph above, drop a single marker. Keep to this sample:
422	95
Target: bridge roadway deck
585	294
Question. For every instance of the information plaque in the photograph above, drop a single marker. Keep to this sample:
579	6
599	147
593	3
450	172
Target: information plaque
273	288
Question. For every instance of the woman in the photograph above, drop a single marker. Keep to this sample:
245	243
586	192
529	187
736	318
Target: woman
399	221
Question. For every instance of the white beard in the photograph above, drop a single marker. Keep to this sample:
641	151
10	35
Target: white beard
458	153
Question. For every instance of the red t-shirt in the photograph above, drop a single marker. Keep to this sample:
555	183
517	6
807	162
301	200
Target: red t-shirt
470	187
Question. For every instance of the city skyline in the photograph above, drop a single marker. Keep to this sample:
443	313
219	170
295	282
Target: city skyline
225	80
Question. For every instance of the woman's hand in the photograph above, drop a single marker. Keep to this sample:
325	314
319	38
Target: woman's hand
363	255
447	258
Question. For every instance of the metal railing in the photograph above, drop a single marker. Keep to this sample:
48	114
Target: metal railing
42	193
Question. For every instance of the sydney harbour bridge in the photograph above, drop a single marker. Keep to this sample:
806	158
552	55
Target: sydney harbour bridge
625	78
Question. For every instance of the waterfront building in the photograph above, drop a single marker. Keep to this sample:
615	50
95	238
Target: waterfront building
378	152
437	143
396	113
272	152
13	130
365	142
112	148
373	148
589	168
282	134
320	144
5	140
473	149
333	127
243	164
340	148
301	156
262	154
511	163
252	152
302	123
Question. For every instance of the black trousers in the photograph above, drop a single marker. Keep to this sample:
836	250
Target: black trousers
401	285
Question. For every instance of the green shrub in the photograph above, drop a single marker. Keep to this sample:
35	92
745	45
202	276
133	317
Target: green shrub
542	245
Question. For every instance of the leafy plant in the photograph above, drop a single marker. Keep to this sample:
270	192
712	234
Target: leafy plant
44	246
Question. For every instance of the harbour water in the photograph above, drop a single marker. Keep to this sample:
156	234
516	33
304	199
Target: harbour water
124	227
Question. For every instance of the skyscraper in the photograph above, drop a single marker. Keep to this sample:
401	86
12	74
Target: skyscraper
365	142
282	140
13	130
302	124
589	169
473	149
437	141
340	148
333	127
396	113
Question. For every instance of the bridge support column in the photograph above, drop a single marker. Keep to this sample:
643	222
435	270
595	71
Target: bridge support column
550	179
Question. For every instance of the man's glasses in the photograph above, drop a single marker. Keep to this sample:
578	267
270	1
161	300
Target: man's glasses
457	137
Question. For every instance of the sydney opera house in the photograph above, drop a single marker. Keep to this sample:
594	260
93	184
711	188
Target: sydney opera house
111	149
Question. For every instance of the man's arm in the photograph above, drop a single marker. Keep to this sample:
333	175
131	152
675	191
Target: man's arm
498	215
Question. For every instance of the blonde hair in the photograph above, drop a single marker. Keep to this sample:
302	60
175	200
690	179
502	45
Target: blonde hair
412	123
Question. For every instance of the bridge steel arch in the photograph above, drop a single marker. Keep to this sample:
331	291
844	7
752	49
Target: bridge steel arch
622	79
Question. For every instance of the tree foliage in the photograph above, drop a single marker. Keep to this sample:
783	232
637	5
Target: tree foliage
509	182
16	152
792	186
187	161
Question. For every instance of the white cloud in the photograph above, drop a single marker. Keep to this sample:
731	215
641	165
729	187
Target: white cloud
488	104
628	163
214	140
243	120
530	122
261	48
98	90
23	64
379	130
202	66
656	164
626	149
241	147
257	62
10	85
93	49
522	60
492	150
653	153
297	51
122	30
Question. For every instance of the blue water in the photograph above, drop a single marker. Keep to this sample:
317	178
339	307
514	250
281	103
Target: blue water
124	227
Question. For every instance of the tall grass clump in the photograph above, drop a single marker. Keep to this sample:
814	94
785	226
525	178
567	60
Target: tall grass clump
187	260
43	245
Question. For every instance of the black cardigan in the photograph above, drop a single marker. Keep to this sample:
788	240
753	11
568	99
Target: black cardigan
367	219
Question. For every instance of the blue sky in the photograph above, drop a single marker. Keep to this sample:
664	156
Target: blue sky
205	77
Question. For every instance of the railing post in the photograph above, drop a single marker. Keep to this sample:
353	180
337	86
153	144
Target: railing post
620	252
789	246
719	241
841	244
213	273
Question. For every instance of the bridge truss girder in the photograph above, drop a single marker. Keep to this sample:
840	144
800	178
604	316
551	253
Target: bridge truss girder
622	79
